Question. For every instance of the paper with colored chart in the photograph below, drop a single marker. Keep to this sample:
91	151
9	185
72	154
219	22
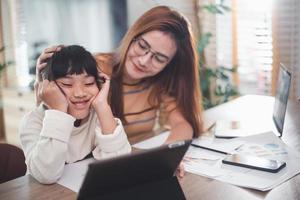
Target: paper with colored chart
265	145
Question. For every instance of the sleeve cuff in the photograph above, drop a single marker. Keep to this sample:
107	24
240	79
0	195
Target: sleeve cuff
57	125
112	142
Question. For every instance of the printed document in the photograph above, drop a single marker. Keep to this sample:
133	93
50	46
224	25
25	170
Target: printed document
266	145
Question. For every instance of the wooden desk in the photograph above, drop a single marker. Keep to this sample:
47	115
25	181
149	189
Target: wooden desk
196	187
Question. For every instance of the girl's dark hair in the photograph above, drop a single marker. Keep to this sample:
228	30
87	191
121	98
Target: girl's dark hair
70	60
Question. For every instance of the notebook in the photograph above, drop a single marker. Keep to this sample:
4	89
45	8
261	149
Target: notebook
144	174
232	129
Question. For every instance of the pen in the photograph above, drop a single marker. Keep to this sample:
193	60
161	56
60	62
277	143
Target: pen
210	149
211	127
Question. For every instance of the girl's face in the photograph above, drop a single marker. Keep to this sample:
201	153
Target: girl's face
148	55
79	91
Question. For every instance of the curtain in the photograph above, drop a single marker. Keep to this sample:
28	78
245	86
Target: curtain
286	42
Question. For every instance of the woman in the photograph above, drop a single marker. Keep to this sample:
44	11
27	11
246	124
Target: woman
154	75
70	90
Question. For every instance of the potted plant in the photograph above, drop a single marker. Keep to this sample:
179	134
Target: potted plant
216	84
3	65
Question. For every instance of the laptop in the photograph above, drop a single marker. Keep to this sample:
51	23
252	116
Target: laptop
147	174
281	98
232	129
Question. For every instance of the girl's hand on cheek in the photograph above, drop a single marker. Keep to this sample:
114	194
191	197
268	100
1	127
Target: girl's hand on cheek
100	99
105	116
53	96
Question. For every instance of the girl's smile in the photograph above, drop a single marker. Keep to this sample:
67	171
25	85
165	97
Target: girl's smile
80	90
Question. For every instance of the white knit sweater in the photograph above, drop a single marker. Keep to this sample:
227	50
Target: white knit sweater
50	140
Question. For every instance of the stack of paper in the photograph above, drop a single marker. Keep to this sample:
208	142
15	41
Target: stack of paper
209	164
239	128
265	145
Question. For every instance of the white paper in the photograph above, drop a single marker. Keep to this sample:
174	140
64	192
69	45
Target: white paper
265	145
202	169
224	145
74	173
155	141
195	153
239	128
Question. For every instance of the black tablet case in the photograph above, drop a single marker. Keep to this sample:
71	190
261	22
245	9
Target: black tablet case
145	175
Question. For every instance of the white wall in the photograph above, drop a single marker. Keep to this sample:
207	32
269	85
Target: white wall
137	7
87	22
25	22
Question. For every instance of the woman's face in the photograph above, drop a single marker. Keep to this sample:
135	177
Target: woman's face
79	91
148	55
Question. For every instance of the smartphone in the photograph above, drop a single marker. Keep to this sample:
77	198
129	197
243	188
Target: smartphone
254	162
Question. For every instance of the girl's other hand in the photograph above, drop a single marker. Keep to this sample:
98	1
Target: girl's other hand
53	96
101	98
105	116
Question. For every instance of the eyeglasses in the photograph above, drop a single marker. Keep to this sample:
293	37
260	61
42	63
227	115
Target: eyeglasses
141	48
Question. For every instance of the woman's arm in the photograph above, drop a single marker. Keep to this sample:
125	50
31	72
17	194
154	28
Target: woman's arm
172	118
179	127
44	138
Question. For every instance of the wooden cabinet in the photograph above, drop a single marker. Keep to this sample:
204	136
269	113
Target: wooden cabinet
16	104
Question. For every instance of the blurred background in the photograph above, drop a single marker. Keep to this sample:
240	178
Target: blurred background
240	44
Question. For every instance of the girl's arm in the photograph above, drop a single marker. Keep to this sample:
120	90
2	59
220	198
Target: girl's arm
111	138
44	137
102	108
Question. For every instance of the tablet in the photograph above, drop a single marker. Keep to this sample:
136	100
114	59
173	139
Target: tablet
124	172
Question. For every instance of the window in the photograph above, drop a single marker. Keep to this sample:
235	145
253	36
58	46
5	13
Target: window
244	38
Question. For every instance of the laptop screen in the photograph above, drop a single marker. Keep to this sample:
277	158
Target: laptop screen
281	98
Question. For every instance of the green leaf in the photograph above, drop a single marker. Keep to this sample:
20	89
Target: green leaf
226	8
203	42
220	76
3	65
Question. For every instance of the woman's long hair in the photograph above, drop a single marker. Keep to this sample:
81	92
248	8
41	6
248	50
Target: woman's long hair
179	79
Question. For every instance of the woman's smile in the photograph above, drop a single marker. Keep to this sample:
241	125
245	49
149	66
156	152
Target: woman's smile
138	68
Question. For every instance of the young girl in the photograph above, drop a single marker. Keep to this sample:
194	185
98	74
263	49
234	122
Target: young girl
74	120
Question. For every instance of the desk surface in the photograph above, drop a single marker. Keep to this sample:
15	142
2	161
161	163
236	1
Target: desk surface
195	187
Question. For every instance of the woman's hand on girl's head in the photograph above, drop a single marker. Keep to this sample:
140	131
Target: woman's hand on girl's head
52	96
42	60
41	64
101	98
